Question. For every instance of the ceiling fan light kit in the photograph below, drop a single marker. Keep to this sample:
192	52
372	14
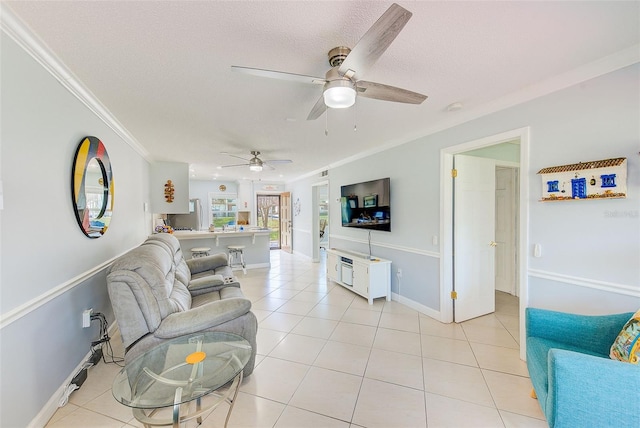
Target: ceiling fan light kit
255	164
339	94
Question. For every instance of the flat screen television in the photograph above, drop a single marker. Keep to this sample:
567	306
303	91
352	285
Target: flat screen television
366	205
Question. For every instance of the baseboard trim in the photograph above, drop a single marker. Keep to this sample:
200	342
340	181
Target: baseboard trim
611	287
298	253
49	409
252	266
430	312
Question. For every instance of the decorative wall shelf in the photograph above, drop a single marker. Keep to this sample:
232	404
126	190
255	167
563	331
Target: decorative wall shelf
602	179
169	190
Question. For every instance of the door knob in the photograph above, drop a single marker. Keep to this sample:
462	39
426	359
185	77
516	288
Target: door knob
492	243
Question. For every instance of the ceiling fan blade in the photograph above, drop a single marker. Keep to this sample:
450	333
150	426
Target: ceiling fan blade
375	41
379	91
234	156
317	109
231	166
277	161
279	75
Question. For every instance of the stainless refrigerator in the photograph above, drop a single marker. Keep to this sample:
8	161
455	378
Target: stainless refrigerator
190	221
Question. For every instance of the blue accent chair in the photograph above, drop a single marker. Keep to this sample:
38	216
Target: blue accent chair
576	382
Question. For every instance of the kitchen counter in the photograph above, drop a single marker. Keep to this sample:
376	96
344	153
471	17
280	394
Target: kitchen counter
255	240
199	234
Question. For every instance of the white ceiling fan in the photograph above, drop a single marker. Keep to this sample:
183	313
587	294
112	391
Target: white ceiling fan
342	82
255	163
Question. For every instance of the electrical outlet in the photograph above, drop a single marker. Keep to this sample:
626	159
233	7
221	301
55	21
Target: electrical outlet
86	318
399	273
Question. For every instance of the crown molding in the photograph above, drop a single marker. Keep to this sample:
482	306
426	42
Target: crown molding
13	27
602	66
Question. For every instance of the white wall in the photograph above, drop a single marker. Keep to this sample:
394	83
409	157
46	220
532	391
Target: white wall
590	248
50	271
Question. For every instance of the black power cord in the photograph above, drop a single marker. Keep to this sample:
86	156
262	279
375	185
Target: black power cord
96	354
104	350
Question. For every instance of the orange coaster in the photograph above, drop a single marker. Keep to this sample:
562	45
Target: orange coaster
196	357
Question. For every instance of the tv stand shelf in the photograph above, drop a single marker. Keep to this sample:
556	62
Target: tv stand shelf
367	276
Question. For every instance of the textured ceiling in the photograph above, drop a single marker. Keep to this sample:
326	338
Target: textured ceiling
163	69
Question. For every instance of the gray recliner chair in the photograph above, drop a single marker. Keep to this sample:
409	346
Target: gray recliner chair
156	296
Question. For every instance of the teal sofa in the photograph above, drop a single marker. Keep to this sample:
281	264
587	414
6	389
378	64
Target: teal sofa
576	382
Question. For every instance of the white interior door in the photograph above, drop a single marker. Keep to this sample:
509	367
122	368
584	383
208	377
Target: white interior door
474	237
506	222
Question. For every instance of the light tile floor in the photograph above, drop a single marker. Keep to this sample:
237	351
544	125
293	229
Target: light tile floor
328	359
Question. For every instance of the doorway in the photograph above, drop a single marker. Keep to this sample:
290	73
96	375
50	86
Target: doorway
507	220
319	219
268	209
458	233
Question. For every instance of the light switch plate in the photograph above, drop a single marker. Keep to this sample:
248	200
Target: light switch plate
537	250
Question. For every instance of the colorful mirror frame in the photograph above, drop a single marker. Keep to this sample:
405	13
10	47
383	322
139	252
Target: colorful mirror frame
92	187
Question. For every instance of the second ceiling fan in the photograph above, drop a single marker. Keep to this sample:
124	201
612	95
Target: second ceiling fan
343	81
255	164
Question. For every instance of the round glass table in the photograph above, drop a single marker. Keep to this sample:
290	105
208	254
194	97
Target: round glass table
180	371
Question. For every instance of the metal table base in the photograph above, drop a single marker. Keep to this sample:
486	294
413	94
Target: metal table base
145	416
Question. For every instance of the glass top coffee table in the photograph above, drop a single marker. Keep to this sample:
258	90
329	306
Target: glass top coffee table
180	371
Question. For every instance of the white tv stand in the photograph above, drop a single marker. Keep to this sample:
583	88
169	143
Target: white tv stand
367	276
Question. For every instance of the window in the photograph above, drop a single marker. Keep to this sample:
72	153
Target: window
552	186
223	209
608	180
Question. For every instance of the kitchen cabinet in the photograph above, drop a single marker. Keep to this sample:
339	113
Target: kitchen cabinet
245	195
370	277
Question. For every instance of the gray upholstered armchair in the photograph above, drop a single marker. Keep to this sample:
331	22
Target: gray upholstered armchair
156	295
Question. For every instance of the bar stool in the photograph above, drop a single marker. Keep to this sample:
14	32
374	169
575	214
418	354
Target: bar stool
236	254
199	252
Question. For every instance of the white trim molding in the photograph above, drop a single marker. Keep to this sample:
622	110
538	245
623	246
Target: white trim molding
610	287
13	27
599	67
385	245
52	405
26	308
446	220
417	306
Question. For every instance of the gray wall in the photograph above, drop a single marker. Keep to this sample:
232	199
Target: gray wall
50	271
591	248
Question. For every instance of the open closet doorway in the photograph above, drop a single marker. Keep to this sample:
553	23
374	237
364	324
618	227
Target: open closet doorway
320	219
484	227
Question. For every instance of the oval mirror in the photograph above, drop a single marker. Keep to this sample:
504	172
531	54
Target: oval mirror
92	187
